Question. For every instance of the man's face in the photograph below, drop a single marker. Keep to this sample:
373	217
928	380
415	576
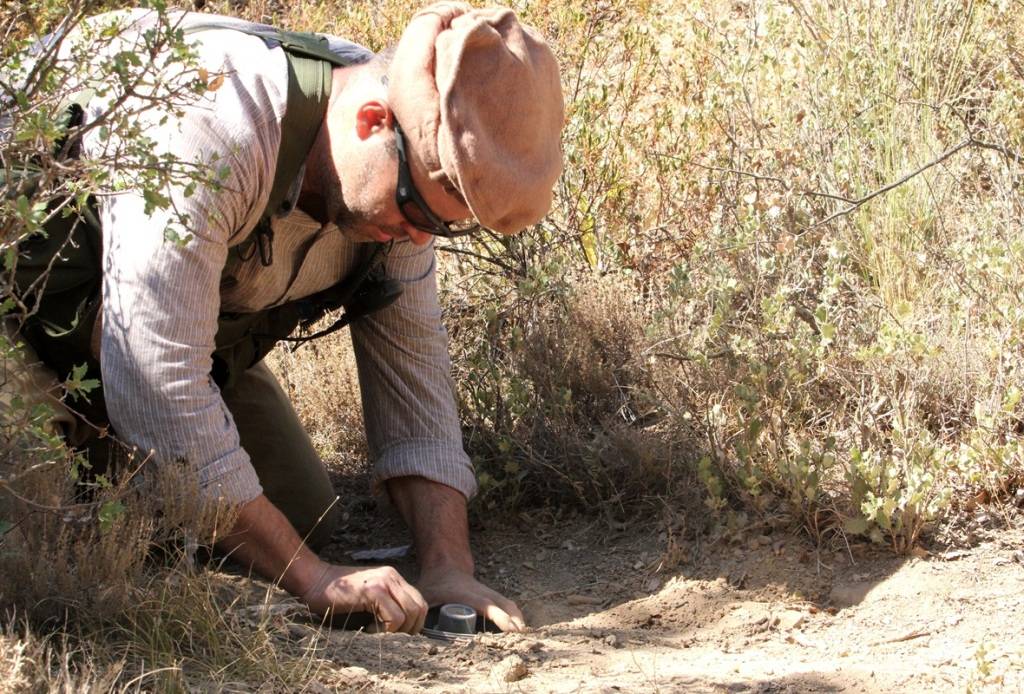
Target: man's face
363	158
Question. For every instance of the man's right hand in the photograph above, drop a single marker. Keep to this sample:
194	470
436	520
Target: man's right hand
264	540
380	591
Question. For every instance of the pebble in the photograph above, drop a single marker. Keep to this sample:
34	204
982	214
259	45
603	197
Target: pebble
790	619
613	641
849	594
511	669
354	673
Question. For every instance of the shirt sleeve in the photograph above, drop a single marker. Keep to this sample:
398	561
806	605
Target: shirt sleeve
161	299
408	395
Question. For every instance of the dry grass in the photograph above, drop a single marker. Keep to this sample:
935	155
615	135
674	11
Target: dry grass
322	381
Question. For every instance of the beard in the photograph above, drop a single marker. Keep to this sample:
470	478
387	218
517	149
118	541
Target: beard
326	202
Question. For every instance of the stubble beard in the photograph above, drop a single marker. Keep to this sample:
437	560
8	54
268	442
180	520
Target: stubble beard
349	222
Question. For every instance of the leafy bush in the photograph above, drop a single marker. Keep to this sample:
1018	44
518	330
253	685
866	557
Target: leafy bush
809	219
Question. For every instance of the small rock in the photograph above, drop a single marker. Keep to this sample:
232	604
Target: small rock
432	650
652	584
577	599
765	540
354	673
920	552
849	594
613	641
511	669
791	619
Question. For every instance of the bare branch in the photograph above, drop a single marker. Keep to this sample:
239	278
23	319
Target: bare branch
859	202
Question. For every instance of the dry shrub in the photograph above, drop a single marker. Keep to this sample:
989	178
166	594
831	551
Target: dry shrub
15	664
323	384
80	547
571	415
587	347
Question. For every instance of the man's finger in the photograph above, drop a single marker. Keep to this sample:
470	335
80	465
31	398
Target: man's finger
422	607
505	615
388	612
412	605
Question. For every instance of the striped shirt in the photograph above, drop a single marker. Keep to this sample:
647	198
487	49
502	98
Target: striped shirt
161	300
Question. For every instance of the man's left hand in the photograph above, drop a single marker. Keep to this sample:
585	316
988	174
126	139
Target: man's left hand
436	514
440	587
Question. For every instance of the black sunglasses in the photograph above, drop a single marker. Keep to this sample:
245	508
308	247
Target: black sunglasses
414	208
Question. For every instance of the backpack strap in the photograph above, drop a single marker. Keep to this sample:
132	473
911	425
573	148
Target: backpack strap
310	62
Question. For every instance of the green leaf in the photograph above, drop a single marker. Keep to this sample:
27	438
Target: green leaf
77	385
828	333
154	200
855	526
1010	400
109	512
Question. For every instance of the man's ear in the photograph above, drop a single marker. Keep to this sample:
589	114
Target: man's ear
372	117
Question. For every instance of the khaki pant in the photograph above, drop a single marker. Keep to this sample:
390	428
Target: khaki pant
288	467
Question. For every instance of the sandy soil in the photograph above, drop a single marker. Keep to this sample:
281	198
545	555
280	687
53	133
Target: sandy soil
628	608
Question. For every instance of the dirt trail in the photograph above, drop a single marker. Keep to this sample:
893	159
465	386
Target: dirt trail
766	615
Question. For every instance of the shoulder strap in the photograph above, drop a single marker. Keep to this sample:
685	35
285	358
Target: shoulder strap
310	62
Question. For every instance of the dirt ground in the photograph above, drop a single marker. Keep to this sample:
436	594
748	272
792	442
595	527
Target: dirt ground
616	608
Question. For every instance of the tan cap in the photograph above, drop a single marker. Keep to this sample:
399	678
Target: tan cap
480	98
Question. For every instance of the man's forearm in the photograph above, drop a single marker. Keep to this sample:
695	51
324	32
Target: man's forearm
436	515
263	539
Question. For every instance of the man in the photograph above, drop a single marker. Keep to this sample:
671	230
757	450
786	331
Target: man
468	110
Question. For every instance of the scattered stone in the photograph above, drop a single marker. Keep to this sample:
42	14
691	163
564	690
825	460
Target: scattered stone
791	619
738	578
511	669
613	641
577	599
849	594
353	674
432	650
765	540
652	584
